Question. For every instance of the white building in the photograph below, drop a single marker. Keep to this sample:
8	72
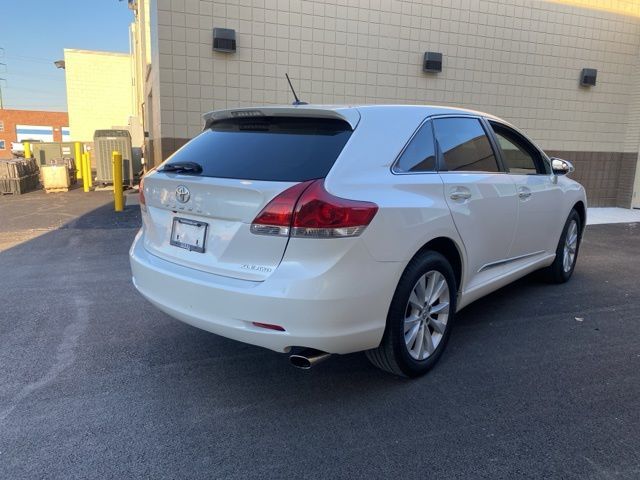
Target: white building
518	59
99	93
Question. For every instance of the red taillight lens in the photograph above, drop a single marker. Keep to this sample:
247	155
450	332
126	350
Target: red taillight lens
320	214
275	217
313	213
143	202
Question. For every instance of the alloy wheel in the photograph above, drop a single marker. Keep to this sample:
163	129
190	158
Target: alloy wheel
426	315
570	246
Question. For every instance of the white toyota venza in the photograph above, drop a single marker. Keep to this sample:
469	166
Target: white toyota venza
320	230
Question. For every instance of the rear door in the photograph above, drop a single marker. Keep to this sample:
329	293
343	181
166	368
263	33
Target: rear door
482	199
538	194
201	219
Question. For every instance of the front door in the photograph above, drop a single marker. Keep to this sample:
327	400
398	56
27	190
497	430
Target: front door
539	222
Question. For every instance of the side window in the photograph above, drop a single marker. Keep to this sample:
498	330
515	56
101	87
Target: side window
420	154
464	145
520	157
2	146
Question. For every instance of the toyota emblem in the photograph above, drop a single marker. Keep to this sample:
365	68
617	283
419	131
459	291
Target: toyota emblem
182	194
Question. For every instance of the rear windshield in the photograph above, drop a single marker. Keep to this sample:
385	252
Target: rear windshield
285	149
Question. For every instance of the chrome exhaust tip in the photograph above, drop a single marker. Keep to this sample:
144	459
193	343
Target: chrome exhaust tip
307	358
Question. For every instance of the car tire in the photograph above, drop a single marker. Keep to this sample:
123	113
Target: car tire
561	269
397	352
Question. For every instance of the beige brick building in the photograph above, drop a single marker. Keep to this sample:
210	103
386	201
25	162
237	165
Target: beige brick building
99	91
518	59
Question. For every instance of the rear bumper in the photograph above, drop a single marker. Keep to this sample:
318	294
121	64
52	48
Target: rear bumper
341	309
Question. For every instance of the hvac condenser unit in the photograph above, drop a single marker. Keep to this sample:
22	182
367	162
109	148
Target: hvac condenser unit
105	142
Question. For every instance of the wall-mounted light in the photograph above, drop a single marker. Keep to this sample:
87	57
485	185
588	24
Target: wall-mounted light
224	40
432	62
588	77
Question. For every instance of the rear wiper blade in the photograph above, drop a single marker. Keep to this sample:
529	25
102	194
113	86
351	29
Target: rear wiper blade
182	167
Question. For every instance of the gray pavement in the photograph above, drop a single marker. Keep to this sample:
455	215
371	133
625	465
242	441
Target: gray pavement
538	381
27	216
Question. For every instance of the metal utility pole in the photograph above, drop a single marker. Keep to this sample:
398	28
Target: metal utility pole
2	79
1	104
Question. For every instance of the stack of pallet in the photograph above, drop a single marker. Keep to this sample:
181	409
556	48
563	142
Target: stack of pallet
18	175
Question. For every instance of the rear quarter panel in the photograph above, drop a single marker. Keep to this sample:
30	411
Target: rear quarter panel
412	209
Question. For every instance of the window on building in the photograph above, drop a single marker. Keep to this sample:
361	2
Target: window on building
1	126
464	144
420	154
2	147
519	156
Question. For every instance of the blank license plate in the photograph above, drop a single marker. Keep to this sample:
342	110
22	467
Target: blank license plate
188	234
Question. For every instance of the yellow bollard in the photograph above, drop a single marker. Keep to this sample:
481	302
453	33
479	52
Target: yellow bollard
78	159
83	166
87	171
27	150
118	198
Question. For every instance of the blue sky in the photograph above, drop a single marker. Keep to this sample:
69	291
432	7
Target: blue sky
34	34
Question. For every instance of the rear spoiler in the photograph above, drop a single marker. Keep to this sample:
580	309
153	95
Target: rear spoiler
347	114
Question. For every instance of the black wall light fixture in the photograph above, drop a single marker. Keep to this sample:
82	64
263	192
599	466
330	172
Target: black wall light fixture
588	77
224	40
432	62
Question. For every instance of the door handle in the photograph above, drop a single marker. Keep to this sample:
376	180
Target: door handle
460	193
524	193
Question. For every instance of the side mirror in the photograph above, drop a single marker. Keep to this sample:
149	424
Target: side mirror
561	167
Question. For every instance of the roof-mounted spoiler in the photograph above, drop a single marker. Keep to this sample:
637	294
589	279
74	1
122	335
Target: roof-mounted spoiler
347	114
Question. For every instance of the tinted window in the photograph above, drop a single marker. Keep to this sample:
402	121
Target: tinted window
464	145
267	148
519	156
420	154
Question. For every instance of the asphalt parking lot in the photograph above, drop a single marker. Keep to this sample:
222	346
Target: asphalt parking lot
538	381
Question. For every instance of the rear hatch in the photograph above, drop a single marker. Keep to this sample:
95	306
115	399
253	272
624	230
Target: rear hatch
199	214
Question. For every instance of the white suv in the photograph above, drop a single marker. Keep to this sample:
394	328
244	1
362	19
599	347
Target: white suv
319	230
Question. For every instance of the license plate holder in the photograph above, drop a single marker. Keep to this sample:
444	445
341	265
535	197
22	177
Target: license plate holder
188	234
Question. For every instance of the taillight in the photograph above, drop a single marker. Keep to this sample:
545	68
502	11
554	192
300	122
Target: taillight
275	217
313	213
143	202
319	214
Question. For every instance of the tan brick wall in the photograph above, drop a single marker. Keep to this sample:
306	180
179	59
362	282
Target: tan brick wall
517	59
632	143
100	92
